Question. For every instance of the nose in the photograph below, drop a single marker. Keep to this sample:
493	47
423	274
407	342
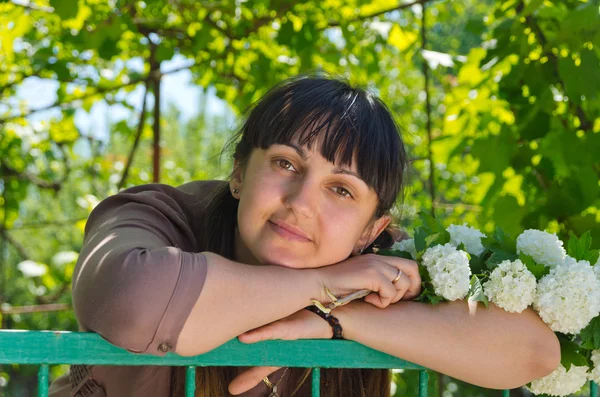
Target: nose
302	197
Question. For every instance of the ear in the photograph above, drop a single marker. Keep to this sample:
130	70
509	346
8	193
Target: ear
236	180
371	233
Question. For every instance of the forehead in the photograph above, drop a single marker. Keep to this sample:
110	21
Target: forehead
315	147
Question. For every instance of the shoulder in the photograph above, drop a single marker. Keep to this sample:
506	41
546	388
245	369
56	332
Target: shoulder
183	203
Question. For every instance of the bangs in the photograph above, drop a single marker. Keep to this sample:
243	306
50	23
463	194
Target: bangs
351	124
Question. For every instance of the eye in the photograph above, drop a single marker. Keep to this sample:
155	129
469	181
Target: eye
343	192
286	165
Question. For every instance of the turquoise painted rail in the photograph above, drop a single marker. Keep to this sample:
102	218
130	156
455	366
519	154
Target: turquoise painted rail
45	348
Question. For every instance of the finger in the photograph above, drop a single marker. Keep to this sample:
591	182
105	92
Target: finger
402	286
410	269
386	292
249	379
374	299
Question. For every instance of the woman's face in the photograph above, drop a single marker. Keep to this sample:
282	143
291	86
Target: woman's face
298	210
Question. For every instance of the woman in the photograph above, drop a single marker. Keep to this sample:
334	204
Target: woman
318	166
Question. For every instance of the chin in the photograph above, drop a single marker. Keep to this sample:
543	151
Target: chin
283	260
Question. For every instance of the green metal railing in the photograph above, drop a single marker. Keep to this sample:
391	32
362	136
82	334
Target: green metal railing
45	348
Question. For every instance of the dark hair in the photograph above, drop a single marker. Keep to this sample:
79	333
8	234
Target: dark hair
355	123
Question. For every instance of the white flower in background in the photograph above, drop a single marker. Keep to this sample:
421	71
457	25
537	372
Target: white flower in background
595	372
597	268
407	246
545	248
32	269
560	382
449	271
568	297
469	236
511	286
62	258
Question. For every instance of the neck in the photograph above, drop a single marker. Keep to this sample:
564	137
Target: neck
242	253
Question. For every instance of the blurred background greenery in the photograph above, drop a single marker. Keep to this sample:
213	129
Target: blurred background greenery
497	102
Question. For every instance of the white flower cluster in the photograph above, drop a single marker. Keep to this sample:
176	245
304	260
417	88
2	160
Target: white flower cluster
545	248
597	269
469	236
568	298
449	271
595	372
560	382
511	286
407	246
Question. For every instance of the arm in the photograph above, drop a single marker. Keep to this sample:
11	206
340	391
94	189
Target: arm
493	349
238	297
138	279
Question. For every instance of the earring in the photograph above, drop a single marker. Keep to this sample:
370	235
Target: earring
359	251
236	191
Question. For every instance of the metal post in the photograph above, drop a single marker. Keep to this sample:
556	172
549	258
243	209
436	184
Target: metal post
423	380
316	382
43	381
190	381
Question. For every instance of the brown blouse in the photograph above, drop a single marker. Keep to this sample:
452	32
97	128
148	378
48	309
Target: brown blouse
137	278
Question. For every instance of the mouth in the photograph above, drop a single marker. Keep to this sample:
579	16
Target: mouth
289	232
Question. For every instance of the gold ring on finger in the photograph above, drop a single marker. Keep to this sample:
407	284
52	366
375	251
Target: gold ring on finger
397	276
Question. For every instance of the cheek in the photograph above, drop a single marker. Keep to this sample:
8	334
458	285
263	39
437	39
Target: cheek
341	228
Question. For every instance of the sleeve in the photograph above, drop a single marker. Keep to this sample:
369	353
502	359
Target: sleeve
136	281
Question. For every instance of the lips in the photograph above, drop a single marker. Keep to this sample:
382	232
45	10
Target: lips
292	230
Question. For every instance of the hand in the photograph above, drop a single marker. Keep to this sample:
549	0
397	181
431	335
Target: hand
373	272
300	325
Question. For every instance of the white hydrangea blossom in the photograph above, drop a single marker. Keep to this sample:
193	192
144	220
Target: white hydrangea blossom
511	286
595	372
469	236
560	382
545	248
568	297
407	246
597	268
449	271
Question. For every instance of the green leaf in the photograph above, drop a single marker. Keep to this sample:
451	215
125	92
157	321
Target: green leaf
498	256
506	241
475	293
396	253
578	248
591	333
477	264
428	296
440	238
66	9
538	270
430	224
420	236
569	353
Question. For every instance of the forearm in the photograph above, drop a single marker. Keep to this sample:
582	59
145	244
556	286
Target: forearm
238	297
493	349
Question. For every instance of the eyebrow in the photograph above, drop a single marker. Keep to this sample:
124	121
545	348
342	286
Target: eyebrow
337	170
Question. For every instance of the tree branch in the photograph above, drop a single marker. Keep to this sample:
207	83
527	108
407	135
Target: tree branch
37	225
72	103
378	13
11	172
18	246
138	135
53	307
584	122
425	68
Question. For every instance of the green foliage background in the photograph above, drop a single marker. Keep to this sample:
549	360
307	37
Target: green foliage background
513	139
